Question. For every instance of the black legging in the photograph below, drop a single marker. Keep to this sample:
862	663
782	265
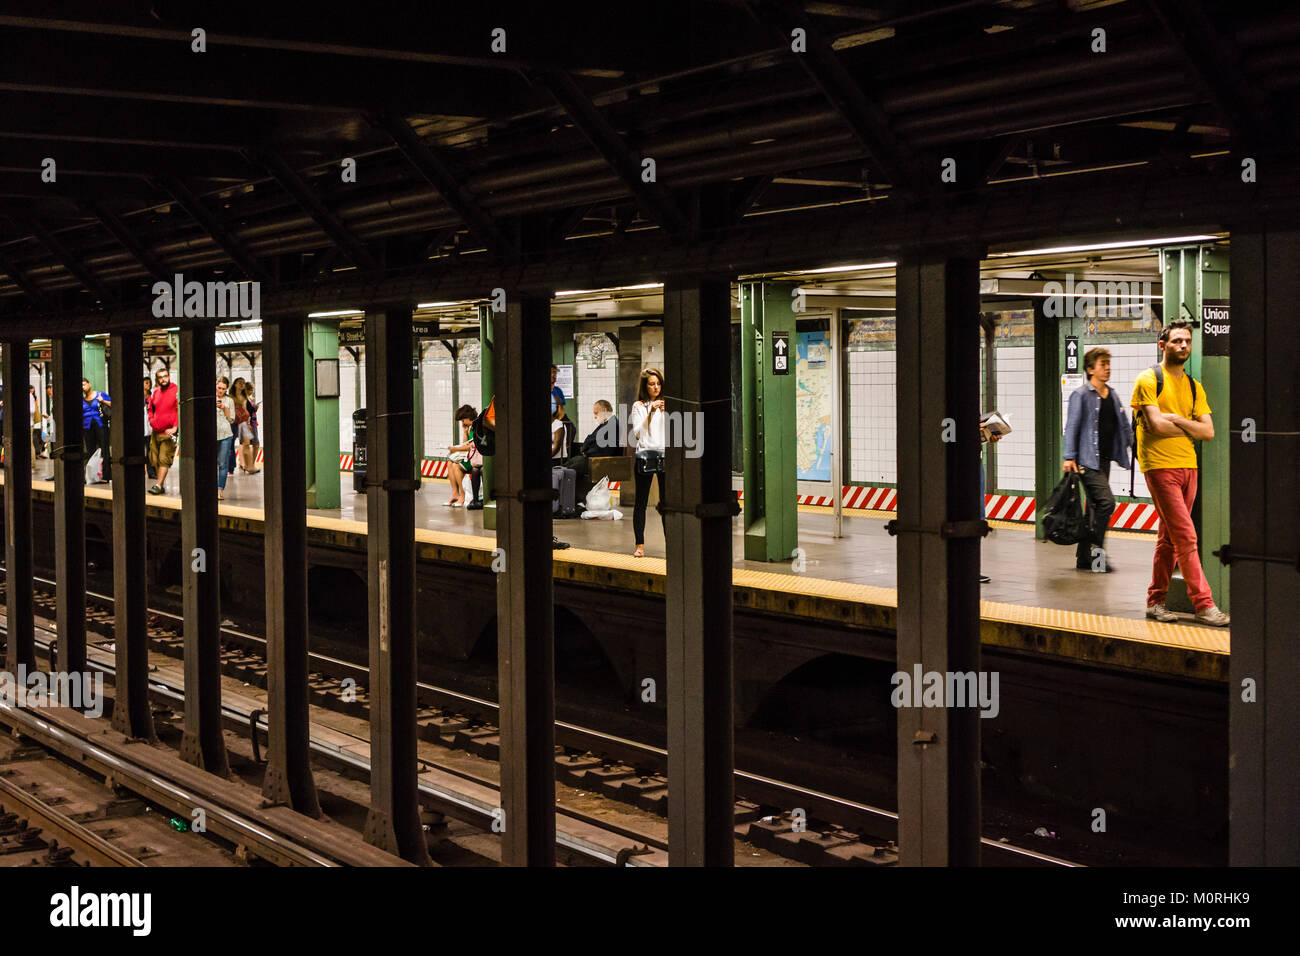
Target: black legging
643	483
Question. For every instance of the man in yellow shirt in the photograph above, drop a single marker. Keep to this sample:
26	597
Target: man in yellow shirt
1172	410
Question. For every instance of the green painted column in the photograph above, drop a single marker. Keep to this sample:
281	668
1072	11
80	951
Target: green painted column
417	385
94	364
487	389
1194	276
1049	362
771	504
322	425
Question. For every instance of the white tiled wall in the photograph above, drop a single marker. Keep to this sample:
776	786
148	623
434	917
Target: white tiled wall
471	379
436	370
348	374
1015	371
872	417
1126	361
592	384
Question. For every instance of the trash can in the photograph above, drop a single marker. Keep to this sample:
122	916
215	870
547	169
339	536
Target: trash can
359	451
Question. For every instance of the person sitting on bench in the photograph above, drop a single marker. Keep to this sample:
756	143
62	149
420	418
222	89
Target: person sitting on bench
601	443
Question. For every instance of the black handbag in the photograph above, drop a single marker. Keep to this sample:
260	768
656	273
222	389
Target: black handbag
649	461
1063	521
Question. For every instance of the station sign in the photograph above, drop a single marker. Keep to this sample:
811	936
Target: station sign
1071	355
1216	321
39	355
780	353
357	336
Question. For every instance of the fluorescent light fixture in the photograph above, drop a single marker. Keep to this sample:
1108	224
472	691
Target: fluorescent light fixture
617	288
434	305
335	314
820	272
1131	244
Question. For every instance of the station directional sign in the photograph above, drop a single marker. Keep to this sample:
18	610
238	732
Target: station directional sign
1071	354
780	353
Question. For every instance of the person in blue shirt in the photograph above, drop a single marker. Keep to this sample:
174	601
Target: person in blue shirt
557	393
1097	432
94	430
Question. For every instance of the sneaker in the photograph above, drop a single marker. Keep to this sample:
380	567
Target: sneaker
1158	612
1212	616
156	490
475	505
985	579
557	544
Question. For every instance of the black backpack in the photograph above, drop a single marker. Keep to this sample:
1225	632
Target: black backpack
1063	521
484	435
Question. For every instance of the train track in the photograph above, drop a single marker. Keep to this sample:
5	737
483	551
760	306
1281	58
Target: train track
617	766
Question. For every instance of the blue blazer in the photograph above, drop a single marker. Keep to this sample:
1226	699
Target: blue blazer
1081	429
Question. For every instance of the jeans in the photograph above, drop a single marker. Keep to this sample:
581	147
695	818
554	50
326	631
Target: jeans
225	448
229	458
643	499
1173	490
1101	505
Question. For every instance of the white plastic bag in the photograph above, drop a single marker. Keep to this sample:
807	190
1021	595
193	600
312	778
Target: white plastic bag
598	498
92	467
613	514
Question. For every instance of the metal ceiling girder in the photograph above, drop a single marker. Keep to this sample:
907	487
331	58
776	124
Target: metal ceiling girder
148	260
204	217
653	196
1211	57
314	206
436	172
862	115
69	261
30	288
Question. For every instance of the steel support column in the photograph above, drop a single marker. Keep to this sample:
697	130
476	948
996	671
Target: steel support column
131	712
288	777
1048	426
1264	710
69	506
938	555
393	823
525	591
487	388
768	336
20	640
202	743
701	759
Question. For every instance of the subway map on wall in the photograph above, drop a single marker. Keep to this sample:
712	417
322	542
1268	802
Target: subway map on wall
813	406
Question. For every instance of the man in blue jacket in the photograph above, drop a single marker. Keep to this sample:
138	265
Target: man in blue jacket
1097	432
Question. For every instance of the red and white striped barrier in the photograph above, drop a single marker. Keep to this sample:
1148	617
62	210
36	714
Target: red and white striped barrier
1009	507
1127	517
1135	517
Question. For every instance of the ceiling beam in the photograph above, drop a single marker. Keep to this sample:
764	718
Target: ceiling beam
314	206
436	172
654	198
1211	57
30	289
69	261
148	260
208	222
861	113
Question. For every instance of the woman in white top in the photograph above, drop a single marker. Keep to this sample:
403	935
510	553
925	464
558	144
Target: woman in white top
646	434
225	416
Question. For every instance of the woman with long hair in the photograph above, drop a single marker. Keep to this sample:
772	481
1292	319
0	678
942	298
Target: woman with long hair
247	454
232	390
646	431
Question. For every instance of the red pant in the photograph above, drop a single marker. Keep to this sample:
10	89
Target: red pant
1173	490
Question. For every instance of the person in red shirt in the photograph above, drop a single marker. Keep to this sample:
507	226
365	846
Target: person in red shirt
163	420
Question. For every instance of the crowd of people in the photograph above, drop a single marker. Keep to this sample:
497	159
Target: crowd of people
1169	411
